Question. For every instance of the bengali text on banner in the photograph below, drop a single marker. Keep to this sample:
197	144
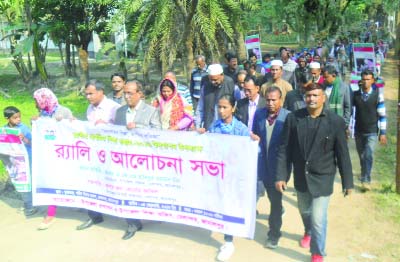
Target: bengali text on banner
207	180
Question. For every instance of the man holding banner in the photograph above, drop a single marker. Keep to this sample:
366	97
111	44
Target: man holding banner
100	111
136	113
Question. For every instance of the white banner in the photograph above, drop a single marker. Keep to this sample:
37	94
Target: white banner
15	159
207	180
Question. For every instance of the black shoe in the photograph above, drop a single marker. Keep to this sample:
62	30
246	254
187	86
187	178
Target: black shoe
131	231
30	211
271	243
90	222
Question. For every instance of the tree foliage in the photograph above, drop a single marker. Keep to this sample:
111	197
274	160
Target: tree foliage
179	28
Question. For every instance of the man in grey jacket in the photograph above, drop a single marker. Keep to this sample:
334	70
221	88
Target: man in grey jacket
338	94
136	114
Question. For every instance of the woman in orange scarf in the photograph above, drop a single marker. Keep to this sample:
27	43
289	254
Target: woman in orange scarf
175	111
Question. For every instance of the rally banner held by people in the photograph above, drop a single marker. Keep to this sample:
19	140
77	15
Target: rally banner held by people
181	177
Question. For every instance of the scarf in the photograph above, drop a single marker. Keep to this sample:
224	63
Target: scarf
226	128
335	99
172	108
46	101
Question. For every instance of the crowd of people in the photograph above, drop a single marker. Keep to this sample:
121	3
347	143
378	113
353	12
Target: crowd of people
297	106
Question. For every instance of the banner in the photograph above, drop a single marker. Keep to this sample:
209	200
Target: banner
15	158
207	180
364	57
253	46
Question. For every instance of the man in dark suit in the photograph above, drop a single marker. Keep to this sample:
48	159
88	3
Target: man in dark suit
267	125
314	142
136	114
245	110
246	107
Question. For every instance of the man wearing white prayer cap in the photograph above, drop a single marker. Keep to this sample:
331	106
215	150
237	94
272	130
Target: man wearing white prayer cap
315	73
213	87
276	73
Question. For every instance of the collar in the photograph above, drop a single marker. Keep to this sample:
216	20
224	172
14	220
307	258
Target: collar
131	110
324	112
271	118
369	92
255	102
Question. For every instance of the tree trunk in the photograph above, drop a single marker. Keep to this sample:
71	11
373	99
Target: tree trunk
189	55
73	61
23	71
40	68
61	54
84	62
68	65
241	47
122	67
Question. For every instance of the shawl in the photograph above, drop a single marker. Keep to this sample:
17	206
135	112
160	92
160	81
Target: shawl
226	128
172	108
335	99
46	101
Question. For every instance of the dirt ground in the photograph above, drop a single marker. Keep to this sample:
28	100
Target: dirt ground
357	231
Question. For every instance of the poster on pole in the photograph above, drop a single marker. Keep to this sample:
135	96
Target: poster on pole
364	57
15	159
253	46
202	180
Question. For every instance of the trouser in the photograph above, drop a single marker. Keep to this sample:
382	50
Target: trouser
275	215
314	213
134	222
51	211
95	216
27	199
365	144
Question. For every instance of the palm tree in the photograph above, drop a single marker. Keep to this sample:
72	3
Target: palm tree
183	28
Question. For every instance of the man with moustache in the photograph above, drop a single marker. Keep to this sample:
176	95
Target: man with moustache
117	83
136	114
314	142
267	125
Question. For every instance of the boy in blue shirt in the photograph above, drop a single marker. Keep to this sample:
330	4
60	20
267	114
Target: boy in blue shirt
13	116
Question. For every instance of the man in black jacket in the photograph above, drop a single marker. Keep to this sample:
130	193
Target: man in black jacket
247	106
314	142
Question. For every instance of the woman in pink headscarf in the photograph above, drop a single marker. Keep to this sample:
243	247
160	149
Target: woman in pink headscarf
48	106
175	111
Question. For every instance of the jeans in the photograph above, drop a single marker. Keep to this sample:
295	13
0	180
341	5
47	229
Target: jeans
365	144
27	199
275	215
314	213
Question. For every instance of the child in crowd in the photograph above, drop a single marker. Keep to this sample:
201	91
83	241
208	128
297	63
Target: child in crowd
13	117
230	125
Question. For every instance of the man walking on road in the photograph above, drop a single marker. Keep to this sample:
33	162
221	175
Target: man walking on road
267	125
314	142
370	116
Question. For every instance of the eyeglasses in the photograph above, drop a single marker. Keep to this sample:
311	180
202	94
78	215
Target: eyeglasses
129	94
246	90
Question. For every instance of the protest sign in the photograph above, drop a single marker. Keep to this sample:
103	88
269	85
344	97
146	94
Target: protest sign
364	57
206	180
15	158
253	46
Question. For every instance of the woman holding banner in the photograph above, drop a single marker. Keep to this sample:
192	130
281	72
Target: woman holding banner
228	124
48	106
175	111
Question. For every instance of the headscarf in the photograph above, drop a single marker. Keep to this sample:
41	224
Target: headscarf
172	108
46	101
